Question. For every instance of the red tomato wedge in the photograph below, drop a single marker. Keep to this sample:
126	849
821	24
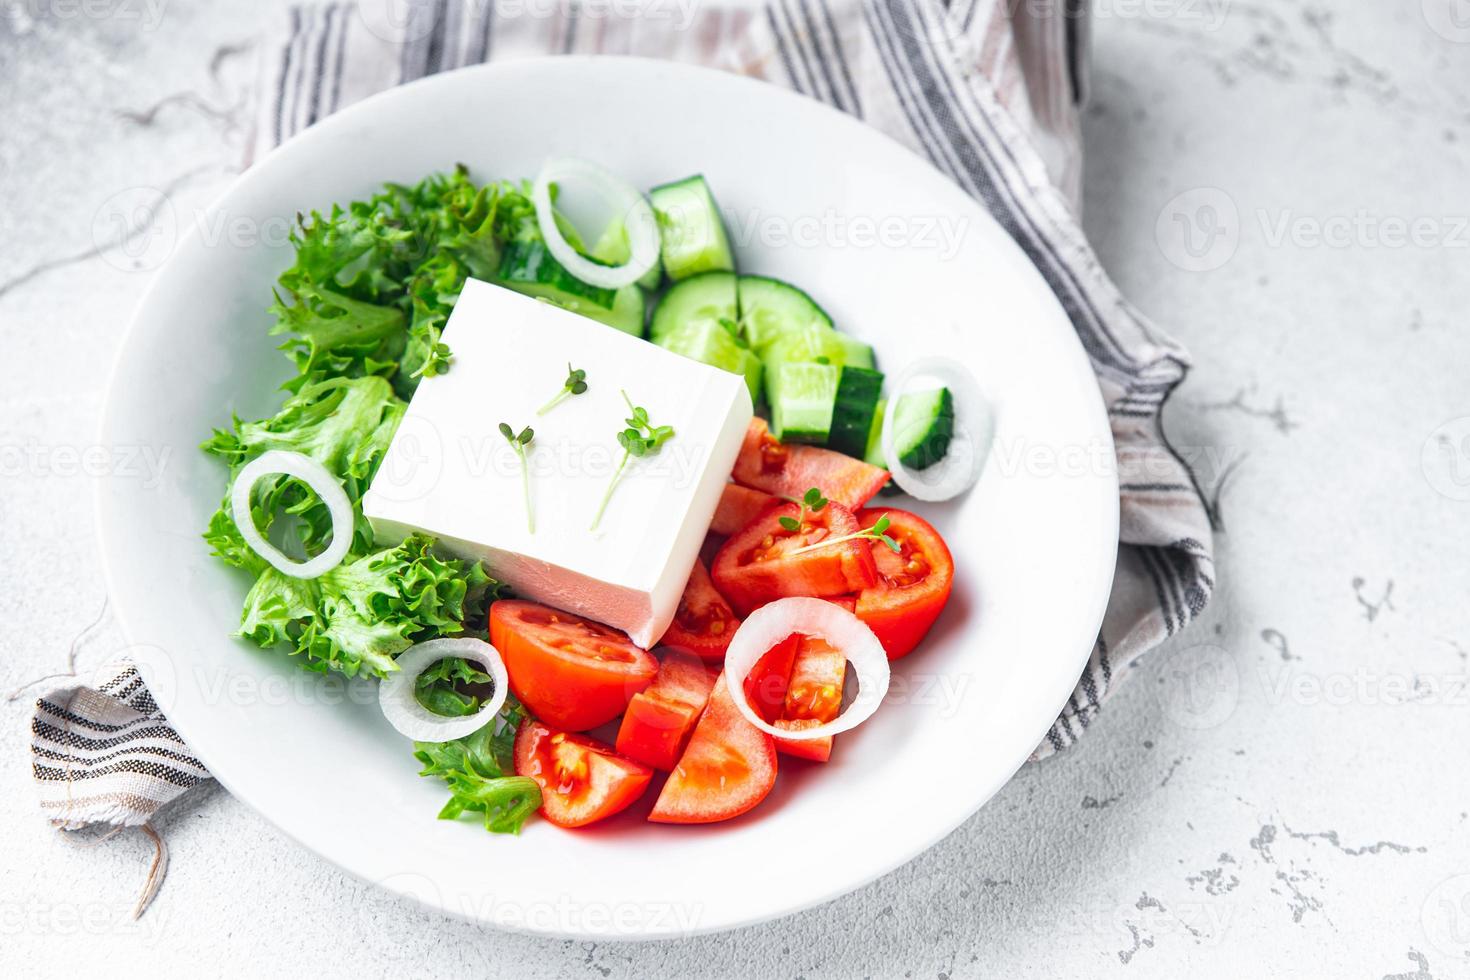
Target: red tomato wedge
738	507
813	697
766	463
913	585
766	561
582	781
658	721
765	685
570	672
729	767
704	622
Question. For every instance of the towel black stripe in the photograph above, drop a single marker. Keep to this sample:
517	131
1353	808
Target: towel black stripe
56	710
819	53
314	107
337	61
44	729
1166	604
906	98
85	764
286	57
841	55
782	50
157	770
1012	214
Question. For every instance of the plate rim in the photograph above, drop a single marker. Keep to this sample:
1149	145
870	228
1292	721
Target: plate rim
107	546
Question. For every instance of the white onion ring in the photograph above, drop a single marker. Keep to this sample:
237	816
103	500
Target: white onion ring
638	219
974	427
325	485
774	622
413	720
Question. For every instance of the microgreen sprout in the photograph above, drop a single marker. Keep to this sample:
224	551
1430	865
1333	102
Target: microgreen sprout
518	442
878	532
641	438
436	362
575	384
812	501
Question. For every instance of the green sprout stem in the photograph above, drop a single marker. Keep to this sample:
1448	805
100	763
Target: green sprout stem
518	443
575	384
617	475
878	532
640	438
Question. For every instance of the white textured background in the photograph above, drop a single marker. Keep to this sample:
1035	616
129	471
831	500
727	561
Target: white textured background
1283	793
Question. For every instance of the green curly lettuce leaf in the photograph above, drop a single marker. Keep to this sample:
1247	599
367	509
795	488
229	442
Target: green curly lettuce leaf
476	769
360	615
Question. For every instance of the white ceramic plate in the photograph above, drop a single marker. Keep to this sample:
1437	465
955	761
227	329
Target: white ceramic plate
809	193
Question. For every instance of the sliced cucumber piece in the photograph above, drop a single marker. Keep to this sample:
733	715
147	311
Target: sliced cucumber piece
530	268
802	397
855	353
923	425
692	230
859	390
808	345
874	453
710	343
614	249
770	308
706	298
628	312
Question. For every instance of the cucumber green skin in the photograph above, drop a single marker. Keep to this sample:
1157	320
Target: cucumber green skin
873	455
692	230
802	398
626	315
770	308
529	267
705	298
923	425
859	390
613	249
709	343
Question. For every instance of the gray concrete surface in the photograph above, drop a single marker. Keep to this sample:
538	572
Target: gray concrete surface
1281	793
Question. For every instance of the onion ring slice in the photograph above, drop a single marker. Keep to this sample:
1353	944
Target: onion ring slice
322	482
974	426
413	720
774	622
622	198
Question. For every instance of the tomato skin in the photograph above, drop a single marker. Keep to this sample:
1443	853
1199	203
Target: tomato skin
582	781
570	672
658	721
738	507
813	697
728	768
787	470
913	586
704	623
753	567
766	684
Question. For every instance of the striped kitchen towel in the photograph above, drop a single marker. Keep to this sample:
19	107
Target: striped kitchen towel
987	90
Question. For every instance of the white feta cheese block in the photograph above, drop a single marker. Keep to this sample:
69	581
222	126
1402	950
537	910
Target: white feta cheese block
450	472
